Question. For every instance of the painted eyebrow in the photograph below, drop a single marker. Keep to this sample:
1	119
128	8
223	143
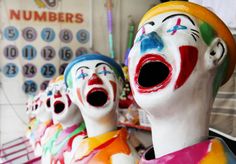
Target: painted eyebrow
170	16
82	67
102	64
150	23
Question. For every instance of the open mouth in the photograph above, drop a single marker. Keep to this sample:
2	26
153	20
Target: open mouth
97	97
36	106
59	107
48	103
152	73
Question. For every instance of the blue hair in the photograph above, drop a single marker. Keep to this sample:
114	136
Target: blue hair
116	67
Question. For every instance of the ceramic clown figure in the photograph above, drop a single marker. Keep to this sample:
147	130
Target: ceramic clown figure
181	55
34	121
73	128
72	131
95	82
29	105
45	121
30	115
53	132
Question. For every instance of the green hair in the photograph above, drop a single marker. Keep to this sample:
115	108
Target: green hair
208	34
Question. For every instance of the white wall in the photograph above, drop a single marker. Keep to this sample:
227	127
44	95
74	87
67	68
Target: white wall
12	107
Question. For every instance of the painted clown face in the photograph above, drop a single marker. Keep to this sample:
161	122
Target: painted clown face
62	107
29	105
39	108
47	97
36	104
95	88
170	59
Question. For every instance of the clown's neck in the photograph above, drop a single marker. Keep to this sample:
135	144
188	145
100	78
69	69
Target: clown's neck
44	117
182	129
75	120
97	127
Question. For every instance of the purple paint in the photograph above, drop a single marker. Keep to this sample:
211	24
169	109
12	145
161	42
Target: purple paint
109	15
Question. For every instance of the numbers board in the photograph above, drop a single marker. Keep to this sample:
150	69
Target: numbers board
39	40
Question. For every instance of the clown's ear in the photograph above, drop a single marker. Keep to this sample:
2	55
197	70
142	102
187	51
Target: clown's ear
216	53
121	84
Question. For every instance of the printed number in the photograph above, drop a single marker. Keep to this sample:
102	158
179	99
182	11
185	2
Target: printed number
29	34
29	70
66	36
29	52
10	70
48	34
81	51
11	52
82	36
48	70
65	53
44	85
11	33
62	68
48	53
30	87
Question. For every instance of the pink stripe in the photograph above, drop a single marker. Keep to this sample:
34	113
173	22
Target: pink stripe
186	155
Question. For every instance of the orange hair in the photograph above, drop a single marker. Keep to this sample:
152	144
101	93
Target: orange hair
202	14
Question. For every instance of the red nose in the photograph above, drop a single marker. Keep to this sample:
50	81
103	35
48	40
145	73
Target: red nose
94	80
57	94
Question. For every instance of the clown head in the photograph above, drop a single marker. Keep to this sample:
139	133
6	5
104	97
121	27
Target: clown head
48	95
29	107
95	82
63	110
39	108
181	52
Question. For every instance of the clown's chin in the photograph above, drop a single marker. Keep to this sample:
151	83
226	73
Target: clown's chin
59	107
97	97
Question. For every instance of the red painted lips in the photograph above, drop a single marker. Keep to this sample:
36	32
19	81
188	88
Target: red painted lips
153	72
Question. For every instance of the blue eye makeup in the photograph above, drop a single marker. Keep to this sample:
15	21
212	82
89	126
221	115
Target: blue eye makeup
49	93
104	71
82	75
177	27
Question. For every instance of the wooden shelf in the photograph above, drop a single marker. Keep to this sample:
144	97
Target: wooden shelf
129	125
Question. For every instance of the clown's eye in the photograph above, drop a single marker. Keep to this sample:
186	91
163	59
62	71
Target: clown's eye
104	71
176	27
82	75
49	93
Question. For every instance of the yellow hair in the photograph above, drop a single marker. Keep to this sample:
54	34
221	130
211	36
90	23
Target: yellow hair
56	79
205	15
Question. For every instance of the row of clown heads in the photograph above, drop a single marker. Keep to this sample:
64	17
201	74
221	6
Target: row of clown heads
181	55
